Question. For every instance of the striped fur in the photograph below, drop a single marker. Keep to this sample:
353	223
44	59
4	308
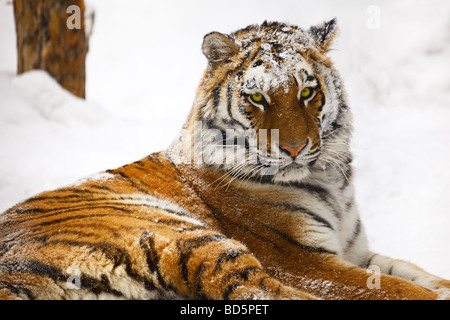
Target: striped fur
191	223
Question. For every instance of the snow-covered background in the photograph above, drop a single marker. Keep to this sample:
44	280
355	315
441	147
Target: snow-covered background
144	65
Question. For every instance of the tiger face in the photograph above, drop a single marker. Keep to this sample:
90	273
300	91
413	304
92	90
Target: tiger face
270	93
283	96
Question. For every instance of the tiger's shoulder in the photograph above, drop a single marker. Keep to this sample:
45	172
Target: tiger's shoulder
152	182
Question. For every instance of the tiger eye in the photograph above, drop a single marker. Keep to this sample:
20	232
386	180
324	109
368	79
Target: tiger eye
257	97
305	92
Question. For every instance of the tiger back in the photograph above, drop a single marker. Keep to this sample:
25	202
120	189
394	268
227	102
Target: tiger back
253	200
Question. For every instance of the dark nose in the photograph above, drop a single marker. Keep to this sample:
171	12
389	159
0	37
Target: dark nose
293	151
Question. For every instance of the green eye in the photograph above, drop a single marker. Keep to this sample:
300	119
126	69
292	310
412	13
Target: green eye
305	93
257	97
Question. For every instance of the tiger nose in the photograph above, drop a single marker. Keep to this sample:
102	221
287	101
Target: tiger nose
293	151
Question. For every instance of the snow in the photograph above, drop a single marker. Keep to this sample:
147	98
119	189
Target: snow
145	62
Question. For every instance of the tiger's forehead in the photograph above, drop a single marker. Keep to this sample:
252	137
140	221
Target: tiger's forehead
270	72
275	52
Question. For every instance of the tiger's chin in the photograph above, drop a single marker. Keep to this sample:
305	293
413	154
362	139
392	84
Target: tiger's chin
279	174
285	170
292	173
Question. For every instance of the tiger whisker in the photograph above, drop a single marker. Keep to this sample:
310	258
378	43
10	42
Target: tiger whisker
229	173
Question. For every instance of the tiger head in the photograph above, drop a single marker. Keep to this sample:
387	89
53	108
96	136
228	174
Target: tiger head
270	84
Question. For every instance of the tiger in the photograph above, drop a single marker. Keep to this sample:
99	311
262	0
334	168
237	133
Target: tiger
253	199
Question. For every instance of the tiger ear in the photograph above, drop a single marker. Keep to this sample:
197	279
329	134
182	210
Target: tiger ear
218	47
324	33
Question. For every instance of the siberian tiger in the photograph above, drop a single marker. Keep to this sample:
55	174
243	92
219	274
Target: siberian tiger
254	199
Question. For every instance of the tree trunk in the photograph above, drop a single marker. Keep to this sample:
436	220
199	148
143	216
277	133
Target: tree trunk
51	37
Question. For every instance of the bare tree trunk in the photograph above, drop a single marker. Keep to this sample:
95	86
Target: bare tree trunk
51	37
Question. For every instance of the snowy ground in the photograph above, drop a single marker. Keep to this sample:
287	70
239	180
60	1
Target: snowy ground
145	62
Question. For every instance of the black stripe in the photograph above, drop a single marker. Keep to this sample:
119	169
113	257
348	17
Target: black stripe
347	176
43	269
77	217
88	216
147	244
255	54
277	57
251	43
62	197
185	250
241	275
229	100
16	289
239	74
116	255
316	68
295	242
97	203
302	210
226	256
117	201
350	204
263	286
202	112
319	192
370	260
89	207
140	167
256	235
154	158
103	187
198	283
238	68
229	290
322	102
304	72
390	270
356	232
131	181
65	200
63	210
257	63
244	275
139	163
312	56
312	154
216	96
